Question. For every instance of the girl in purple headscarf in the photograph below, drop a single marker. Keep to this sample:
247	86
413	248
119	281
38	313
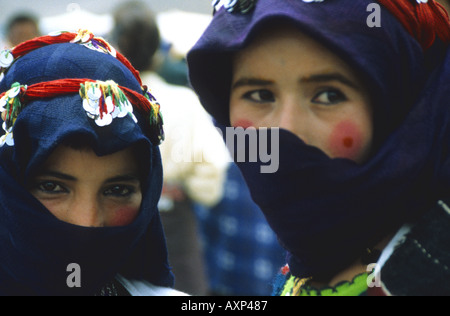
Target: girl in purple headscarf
356	89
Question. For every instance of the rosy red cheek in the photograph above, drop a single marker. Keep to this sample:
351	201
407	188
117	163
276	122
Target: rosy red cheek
243	123
346	141
123	216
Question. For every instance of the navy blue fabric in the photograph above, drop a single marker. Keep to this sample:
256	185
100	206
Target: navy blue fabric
326	212
35	247
420	263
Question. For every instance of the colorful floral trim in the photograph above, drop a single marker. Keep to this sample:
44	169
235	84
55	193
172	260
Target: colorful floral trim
235	6
10	107
87	39
82	37
294	286
102	102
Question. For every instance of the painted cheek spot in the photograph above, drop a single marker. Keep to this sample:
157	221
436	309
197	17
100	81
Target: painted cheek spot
243	123
123	216
346	141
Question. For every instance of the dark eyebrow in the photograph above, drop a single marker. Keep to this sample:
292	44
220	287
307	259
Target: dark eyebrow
330	77
251	82
63	176
124	178
56	174
313	78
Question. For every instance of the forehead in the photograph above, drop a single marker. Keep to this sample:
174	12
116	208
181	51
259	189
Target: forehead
286	45
75	161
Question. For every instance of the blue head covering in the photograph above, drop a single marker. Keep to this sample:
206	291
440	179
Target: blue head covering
35	247
326	212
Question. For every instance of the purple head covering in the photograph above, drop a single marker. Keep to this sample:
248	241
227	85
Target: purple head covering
326	212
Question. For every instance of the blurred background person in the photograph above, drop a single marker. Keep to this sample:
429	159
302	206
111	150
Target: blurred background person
219	242
194	159
241	250
22	27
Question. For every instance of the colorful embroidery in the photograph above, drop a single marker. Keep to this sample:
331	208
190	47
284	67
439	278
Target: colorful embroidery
82	37
289	285
10	107
245	6
236	6
87	39
299	287
104	101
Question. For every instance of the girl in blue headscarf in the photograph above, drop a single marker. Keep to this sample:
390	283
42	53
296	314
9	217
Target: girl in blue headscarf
358	91
81	173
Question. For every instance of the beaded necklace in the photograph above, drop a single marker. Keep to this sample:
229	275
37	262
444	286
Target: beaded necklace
295	286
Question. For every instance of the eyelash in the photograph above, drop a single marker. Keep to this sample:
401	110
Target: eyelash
341	96
269	96
249	96
125	191
41	187
120	191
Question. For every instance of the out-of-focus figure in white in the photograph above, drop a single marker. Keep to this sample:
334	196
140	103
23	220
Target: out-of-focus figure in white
193	154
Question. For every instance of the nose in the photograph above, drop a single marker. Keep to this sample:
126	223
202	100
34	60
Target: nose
292	116
85	211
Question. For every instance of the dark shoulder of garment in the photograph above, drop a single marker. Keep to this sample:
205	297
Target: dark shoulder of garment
420	264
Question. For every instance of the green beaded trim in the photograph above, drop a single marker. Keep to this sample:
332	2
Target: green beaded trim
298	287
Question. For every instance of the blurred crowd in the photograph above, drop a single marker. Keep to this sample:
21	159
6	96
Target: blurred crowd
219	242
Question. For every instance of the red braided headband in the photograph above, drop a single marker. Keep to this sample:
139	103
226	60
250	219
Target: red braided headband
112	101
52	89
423	20
102	101
83	36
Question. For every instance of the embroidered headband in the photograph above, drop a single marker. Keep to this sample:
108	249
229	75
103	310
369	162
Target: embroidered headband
102	101
423	19
83	37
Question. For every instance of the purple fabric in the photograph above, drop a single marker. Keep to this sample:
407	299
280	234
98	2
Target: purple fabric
325	211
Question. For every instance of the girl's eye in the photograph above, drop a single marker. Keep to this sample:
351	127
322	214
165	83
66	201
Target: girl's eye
51	187
260	96
329	97
119	191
